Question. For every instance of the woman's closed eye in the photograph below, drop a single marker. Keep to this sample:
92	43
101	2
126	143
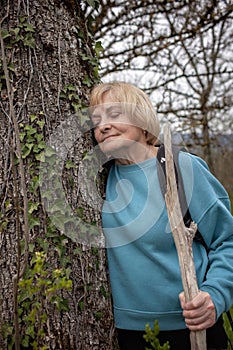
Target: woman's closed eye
114	115
96	119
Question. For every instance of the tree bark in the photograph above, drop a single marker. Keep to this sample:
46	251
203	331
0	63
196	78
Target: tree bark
50	65
183	238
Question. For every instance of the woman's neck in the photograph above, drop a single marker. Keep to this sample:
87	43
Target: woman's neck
138	155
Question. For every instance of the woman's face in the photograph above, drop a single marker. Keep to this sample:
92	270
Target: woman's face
114	131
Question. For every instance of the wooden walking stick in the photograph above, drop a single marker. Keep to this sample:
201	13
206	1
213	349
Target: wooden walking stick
183	238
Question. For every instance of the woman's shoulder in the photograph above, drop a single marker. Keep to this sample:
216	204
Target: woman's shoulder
199	181
193	160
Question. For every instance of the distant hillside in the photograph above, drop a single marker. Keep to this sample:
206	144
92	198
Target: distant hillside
225	141
221	140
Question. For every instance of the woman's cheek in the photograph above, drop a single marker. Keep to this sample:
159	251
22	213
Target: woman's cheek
96	134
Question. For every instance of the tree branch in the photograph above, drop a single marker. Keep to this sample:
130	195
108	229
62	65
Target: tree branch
183	238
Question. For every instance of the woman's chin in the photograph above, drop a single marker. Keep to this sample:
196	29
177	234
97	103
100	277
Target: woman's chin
114	152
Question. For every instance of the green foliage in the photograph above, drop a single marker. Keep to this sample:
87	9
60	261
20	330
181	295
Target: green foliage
92	3
32	139
151	334
55	202
22	34
38	289
69	92
151	338
228	329
90	49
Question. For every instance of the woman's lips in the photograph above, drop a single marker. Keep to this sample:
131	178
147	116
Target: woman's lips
108	138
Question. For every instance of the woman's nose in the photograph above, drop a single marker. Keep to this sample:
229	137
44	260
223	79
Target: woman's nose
103	127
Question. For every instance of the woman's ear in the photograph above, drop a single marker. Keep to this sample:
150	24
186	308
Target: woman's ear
146	134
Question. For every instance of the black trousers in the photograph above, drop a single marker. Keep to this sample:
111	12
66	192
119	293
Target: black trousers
178	340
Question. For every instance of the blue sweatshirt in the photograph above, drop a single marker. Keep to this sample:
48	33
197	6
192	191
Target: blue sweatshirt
142	258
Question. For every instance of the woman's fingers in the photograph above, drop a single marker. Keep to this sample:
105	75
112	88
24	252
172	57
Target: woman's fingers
199	313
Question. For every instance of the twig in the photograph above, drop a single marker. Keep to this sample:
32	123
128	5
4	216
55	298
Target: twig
13	119
183	238
21	266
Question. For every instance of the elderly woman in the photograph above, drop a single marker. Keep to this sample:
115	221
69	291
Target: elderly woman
142	259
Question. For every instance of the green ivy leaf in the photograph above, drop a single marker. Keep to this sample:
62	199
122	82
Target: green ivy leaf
61	304
25	341
98	48
92	3
30	330
40	157
26	150
32	206
84	57
69	164
33	117
28	27
21	136
89	156
49	151
41	124
87	81
5	34
62	94
30	129
29	41
15	31
11	67
70	87
33	222
23	19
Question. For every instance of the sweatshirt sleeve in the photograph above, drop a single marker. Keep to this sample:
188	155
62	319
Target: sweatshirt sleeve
209	206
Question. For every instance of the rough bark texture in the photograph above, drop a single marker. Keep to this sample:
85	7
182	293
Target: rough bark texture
183	238
41	71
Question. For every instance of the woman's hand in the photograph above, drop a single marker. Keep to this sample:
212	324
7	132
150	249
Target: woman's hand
199	313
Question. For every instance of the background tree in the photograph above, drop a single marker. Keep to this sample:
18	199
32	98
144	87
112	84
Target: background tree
53	291
180	53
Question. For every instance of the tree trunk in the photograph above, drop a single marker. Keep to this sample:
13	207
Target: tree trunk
47	66
206	140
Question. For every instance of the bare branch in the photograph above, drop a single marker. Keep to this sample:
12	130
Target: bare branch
183	238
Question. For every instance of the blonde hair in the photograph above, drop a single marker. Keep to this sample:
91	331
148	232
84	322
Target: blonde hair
139	107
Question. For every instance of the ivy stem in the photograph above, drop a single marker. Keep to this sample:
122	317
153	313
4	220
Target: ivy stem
18	151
